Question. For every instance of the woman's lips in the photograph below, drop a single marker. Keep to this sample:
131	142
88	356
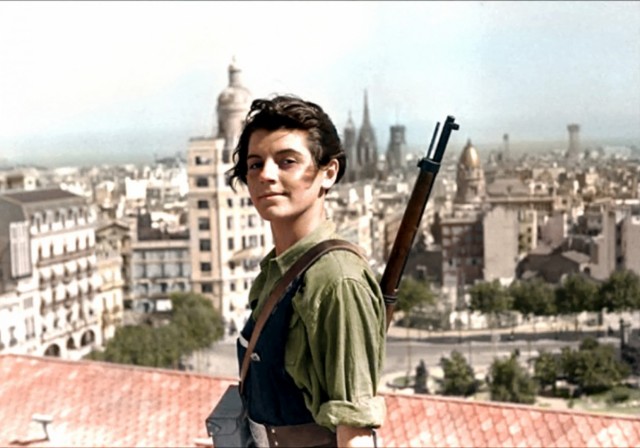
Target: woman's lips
269	195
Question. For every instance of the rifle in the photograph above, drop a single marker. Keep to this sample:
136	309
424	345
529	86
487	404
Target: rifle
429	166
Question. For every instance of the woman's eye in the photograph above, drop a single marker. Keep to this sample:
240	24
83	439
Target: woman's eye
254	165
288	162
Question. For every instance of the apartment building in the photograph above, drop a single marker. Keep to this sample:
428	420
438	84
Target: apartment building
113	248
227	236
49	273
160	265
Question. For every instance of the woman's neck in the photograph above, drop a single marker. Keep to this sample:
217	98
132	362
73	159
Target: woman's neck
286	234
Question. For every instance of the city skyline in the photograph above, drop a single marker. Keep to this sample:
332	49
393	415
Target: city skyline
114	82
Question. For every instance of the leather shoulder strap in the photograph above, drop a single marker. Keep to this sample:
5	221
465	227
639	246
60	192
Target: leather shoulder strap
297	269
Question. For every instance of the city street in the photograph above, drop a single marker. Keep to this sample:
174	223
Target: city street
403	355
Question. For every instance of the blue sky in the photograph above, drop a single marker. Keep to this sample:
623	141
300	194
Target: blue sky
121	81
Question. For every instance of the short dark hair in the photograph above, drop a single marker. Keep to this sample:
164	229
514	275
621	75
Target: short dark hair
289	112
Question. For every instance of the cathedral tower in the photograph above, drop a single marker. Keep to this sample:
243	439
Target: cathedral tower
396	149
367	149
349	144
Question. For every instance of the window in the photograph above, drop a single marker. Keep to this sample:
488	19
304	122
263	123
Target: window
205	245
202	204
253	241
207	287
232	286
230	243
205	267
252	220
202	182
230	202
229	222
204	224
200	160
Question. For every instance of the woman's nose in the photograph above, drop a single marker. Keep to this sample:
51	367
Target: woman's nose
269	171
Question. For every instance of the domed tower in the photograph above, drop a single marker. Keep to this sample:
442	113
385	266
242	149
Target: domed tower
233	104
367	148
470	176
349	144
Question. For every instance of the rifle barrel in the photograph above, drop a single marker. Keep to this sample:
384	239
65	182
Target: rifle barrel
410	223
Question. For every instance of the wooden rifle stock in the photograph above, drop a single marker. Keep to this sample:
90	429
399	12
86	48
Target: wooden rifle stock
410	223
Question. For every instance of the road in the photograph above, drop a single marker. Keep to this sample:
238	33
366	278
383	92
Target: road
404	354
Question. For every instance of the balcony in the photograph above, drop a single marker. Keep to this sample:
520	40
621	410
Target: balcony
67	256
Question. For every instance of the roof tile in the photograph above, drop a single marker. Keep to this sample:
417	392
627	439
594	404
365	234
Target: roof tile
99	404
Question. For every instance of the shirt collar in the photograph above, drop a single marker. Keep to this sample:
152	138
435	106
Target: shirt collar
285	260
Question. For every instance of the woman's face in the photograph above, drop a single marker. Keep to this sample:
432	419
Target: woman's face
283	180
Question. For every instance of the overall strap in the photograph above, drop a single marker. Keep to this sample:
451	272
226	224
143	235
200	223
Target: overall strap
296	270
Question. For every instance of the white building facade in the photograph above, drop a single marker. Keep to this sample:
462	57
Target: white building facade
50	283
227	236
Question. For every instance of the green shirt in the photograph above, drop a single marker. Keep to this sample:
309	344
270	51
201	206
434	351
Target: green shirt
335	347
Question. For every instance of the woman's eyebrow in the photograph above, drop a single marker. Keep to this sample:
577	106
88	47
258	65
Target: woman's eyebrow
287	151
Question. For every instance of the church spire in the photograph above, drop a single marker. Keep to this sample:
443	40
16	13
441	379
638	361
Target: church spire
366	148
365	119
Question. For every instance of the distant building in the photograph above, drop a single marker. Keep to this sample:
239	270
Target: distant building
113	249
501	244
227	236
48	263
573	151
462	247
396	150
160	265
19	179
366	161
349	143
470	177
630	242
552	265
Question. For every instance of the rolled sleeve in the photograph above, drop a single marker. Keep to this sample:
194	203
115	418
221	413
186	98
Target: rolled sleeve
359	414
344	349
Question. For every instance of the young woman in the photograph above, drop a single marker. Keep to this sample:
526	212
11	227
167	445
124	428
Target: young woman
315	369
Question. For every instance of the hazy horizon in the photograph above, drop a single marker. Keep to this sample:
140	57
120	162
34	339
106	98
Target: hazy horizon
92	82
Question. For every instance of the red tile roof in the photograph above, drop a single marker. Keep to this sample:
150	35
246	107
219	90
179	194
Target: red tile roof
100	404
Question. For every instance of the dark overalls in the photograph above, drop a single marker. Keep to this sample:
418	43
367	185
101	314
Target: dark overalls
271	396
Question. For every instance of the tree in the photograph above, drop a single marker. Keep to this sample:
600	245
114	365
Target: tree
199	323
621	291
131	345
508	381
576	294
490	298
533	297
194	324
459	378
593	367
547	370
413	294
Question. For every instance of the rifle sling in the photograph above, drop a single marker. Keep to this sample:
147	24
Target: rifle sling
279	290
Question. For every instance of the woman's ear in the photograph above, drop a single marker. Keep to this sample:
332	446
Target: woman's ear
330	173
